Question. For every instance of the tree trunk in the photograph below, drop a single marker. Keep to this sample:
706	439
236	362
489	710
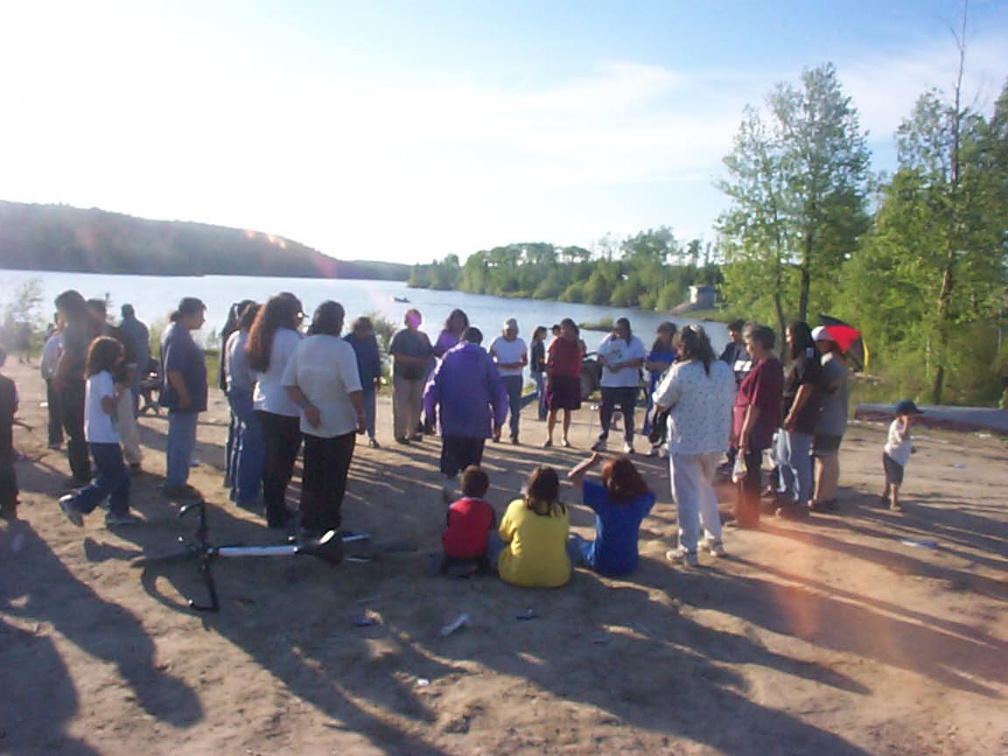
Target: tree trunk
806	279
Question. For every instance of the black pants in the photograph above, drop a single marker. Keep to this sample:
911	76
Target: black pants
458	452
71	400
55	416
626	398
747	510
281	442
323	485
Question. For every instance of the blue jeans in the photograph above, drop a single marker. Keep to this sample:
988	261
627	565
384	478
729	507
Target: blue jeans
794	462
179	446
368	399
513	384
540	382
112	481
247	461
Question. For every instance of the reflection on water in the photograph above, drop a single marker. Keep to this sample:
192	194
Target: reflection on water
154	297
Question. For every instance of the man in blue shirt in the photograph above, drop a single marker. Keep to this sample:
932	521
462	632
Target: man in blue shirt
184	393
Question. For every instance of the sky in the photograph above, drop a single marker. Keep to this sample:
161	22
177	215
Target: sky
406	131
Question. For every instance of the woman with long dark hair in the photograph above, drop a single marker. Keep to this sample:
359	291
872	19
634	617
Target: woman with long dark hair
321	378
698	392
800	405
81	329
563	379
271	342
247	454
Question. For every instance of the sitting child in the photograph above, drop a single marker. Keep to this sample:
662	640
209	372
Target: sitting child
620	503
470	521
533	535
8	478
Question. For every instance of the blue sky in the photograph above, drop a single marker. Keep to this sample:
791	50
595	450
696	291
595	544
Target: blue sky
406	131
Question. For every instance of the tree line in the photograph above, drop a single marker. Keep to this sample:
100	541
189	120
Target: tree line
650	270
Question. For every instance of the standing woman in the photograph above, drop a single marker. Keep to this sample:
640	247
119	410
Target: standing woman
452	332
622	356
369	365
698	391
663	353
247	455
321	378
563	379
537	368
800	401
832	422
230	443
755	417
412	356
271	342
81	329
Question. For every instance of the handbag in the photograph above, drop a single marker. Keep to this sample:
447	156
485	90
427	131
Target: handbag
659	427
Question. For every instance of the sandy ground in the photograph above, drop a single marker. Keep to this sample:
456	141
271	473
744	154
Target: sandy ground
831	636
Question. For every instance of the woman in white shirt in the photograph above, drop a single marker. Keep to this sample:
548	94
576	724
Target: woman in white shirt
271	342
698	391
322	379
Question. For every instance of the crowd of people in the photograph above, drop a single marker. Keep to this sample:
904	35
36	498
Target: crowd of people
315	394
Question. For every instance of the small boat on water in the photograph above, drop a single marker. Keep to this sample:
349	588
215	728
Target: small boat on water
404	300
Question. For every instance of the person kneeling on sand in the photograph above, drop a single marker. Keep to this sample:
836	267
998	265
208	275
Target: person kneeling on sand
102	435
620	503
470	521
531	544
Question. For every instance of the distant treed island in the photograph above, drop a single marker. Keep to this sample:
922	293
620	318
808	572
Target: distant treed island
63	238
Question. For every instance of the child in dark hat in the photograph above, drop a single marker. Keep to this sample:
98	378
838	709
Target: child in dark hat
897	451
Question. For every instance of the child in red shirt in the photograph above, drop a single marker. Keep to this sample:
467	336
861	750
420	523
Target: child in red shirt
470	521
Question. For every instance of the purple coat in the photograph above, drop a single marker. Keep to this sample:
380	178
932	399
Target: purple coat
467	392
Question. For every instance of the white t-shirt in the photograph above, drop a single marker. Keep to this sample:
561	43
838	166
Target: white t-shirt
505	351
898	444
325	369
99	427
269	394
700	414
618	350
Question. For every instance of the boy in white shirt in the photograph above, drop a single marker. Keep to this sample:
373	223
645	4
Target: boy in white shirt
897	451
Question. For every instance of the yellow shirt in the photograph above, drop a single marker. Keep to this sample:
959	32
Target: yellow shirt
535	554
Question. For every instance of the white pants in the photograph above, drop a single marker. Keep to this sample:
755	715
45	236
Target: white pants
128	433
692	477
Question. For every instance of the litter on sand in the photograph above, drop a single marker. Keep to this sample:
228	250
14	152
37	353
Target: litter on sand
461	621
919	543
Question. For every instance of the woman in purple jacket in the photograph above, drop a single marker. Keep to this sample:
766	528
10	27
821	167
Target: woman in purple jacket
471	403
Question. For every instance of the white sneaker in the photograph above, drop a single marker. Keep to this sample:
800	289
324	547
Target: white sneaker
715	548
651	451
628	449
599	446
681	554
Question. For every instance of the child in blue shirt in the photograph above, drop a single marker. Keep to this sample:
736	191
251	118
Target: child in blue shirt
620	503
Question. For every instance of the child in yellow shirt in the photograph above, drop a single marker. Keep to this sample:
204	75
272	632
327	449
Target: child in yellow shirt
533	534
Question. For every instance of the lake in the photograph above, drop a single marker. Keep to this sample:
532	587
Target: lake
154	297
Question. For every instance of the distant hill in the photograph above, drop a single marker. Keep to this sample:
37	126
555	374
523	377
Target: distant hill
58	237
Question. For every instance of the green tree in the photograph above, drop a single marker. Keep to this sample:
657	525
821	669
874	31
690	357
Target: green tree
797	182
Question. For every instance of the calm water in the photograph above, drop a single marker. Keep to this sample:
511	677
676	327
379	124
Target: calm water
154	297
